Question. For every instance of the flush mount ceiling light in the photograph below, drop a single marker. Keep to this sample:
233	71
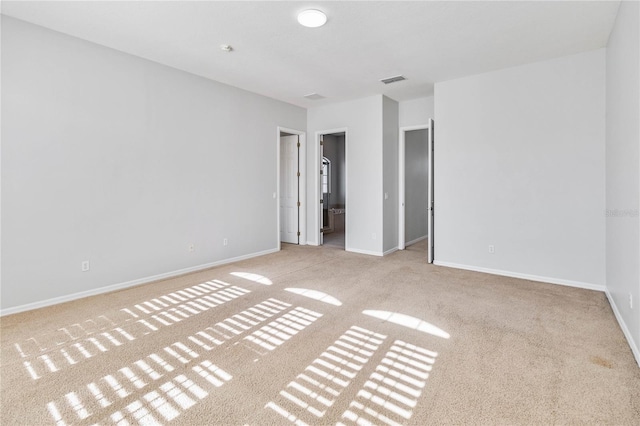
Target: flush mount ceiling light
226	48
312	18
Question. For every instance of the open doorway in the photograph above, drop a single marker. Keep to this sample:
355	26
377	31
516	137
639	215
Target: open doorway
291	186
333	189
416	189
416	182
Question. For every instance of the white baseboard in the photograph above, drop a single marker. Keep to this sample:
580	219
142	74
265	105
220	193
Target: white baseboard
550	280
417	240
623	326
370	253
133	283
390	251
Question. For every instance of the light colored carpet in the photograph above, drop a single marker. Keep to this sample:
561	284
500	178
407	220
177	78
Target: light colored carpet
362	340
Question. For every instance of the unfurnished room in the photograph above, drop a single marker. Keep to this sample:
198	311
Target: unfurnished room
319	212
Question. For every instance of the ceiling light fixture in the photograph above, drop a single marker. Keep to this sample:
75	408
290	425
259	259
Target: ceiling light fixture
226	48
312	18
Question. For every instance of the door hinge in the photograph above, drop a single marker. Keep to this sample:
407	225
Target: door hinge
321	171
298	233
321	143
298	203
321	201
298	144
298	174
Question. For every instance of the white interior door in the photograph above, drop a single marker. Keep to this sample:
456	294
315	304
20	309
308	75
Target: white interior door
289	190
430	202
321	238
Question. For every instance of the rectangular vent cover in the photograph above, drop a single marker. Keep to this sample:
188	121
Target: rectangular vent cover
390	80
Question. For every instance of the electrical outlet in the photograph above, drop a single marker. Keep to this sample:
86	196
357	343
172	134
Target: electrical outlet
85	266
225	242
192	247
492	249
630	301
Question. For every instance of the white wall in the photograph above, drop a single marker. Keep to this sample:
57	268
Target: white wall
123	162
362	119
390	173
415	112
519	164
623	170
416	184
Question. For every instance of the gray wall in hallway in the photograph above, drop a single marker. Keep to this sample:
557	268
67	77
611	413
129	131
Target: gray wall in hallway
416	181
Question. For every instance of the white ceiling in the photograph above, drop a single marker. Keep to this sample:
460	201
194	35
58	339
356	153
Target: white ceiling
362	42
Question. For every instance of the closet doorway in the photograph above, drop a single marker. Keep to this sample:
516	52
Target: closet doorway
333	189
416	211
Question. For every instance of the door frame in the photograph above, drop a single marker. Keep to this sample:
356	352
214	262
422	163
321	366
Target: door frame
318	183
401	180
302	183
431	194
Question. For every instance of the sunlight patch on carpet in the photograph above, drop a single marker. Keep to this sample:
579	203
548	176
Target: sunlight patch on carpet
391	393
182	392
408	321
316	389
253	277
150	316
315	295
279	331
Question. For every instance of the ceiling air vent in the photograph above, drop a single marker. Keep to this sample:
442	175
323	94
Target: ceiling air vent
393	79
314	96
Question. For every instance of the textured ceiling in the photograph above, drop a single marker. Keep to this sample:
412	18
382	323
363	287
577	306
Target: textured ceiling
362	42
